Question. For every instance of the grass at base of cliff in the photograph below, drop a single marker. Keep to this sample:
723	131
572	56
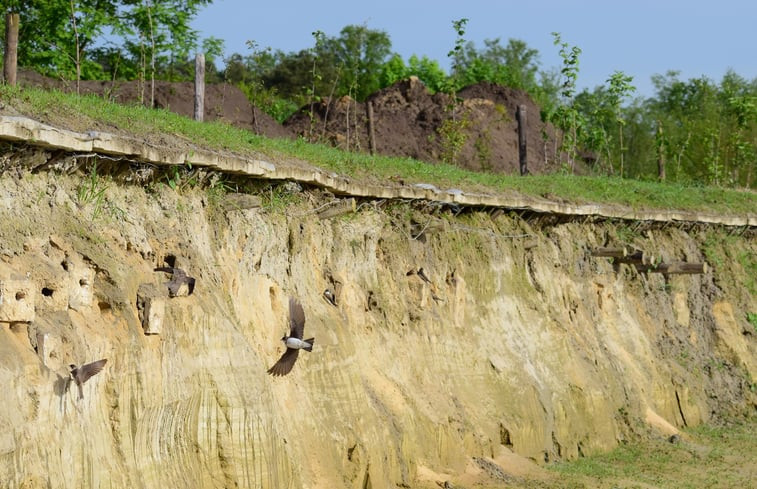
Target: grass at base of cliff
706	457
81	112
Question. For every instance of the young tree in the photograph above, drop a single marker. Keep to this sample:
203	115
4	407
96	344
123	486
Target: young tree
619	87
565	115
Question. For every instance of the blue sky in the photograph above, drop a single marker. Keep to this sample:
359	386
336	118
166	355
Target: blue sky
639	37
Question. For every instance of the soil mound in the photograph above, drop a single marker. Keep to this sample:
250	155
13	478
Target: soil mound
476	130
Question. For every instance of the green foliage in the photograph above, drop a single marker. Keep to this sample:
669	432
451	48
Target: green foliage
752	318
619	87
453	135
92	191
456	54
427	70
48	40
709	130
565	115
515	65
56	35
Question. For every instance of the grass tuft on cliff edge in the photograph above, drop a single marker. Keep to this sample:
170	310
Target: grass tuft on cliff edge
84	113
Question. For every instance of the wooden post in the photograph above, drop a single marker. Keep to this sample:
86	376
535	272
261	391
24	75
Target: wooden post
344	206
371	133
11	48
520	115
610	252
674	268
637	256
199	86
625	255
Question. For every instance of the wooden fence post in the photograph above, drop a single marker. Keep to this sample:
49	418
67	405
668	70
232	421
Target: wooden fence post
199	86
520	115
371	132
11	47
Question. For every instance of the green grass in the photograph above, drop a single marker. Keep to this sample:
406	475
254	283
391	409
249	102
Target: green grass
709	457
91	112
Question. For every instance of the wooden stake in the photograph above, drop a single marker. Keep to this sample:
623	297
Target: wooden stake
199	86
345	206
520	115
637	256
610	252
11	48
371	132
674	268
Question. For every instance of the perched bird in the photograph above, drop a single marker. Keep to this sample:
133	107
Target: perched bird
294	341
330	297
421	274
81	374
180	283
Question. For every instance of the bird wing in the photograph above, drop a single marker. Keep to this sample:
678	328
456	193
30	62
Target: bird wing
86	371
285	363
296	318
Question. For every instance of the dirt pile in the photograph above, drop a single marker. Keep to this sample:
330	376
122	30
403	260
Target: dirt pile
476	130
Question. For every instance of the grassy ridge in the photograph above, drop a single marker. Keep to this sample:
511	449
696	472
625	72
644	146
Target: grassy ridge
80	112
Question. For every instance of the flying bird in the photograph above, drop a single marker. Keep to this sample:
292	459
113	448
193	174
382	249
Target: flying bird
81	374
294	341
179	280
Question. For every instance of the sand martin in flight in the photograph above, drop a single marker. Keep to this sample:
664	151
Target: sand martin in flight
294	341
81	374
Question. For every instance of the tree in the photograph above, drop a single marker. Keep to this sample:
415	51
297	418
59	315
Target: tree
565	115
58	37
619	87
427	70
515	65
359	52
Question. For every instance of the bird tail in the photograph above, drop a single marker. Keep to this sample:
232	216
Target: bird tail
309	341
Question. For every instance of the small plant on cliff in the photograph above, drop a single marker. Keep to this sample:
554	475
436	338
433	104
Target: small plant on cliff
752	318
92	191
279	197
